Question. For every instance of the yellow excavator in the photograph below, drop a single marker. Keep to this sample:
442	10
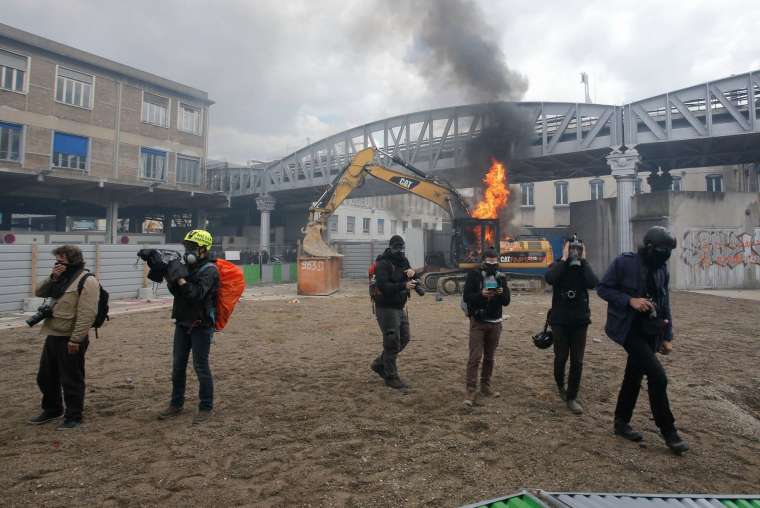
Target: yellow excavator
470	236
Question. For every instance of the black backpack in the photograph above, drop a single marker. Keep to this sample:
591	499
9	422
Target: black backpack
102	316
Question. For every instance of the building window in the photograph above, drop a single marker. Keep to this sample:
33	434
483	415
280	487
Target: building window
189	118
394	227
560	194
10	141
155	110
676	185
152	164
380	226
714	183
74	88
350	224
597	188
13	69
70	151
404	226
526	190
365	226
333	222
188	170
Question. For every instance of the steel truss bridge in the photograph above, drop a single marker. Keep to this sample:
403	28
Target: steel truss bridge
712	123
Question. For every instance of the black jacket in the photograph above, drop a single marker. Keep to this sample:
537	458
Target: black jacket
391	280
480	307
195	301
569	281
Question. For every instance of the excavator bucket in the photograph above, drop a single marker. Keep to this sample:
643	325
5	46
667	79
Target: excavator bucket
313	242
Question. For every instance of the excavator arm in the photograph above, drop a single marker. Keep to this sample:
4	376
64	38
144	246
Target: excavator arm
353	176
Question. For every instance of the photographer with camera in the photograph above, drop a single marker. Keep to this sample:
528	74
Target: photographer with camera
68	314
194	282
571	277
394	279
485	293
639	319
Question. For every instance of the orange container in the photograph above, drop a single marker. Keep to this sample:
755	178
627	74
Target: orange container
318	276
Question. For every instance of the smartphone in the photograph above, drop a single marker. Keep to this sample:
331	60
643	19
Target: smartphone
491	284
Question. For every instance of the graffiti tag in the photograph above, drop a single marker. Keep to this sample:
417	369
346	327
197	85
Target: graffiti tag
706	248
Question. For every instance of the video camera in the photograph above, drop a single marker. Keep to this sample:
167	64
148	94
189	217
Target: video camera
575	250
418	286
158	261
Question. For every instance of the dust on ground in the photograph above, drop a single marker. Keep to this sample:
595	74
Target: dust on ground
301	420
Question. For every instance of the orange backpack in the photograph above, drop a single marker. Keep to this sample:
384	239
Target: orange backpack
231	287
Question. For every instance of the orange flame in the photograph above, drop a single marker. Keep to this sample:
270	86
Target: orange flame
496	195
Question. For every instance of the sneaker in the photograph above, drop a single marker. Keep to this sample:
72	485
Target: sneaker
202	416
69	424
395	383
469	399
44	417
379	369
169	412
574	406
486	391
675	443
562	393
624	430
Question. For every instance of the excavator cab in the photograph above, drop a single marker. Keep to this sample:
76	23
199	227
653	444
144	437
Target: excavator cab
471	237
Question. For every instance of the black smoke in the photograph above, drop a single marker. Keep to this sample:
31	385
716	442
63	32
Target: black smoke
506	136
453	45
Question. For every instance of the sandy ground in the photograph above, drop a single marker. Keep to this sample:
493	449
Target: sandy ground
301	420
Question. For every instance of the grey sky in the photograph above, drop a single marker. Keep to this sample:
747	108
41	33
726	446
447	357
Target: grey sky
284	71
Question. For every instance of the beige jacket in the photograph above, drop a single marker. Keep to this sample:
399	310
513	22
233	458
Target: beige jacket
73	314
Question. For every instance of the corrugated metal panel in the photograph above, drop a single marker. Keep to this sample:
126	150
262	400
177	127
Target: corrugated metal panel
536	499
358	256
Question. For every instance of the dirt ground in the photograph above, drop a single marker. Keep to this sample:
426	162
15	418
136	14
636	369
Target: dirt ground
301	420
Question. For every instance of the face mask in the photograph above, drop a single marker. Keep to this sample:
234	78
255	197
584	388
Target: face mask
191	256
397	250
658	257
490	268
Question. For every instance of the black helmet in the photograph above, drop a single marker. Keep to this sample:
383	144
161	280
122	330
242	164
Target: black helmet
544	339
657	237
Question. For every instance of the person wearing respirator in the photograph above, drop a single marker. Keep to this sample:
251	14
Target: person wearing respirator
195	285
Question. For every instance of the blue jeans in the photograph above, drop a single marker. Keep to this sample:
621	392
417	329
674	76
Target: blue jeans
199	341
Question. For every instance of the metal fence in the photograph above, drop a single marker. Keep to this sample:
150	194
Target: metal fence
23	266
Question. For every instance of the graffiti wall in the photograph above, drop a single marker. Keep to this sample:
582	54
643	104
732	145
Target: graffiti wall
718	258
719	247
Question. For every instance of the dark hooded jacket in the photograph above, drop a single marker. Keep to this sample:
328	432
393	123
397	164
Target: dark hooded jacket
391	280
626	278
570	301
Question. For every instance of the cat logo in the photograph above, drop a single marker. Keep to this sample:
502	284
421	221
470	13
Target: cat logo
405	183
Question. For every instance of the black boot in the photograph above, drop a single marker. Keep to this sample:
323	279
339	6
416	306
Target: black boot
395	383
674	442
378	368
623	429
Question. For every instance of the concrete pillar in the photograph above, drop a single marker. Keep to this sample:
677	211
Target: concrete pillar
112	222
200	218
60	221
6	221
265	204
623	166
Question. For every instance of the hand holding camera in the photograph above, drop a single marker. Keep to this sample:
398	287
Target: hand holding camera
175	271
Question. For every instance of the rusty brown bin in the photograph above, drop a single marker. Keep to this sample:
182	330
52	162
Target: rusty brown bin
319	276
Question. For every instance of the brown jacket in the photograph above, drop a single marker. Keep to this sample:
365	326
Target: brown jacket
73	314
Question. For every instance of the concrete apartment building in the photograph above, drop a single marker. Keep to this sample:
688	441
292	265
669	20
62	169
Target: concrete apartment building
81	135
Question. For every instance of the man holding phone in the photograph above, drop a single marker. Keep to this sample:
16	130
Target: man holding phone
485	293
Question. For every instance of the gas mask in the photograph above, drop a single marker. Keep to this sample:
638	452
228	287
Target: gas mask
397	250
657	256
192	253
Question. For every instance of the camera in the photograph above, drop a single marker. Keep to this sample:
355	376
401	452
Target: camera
418	287
570	294
158	260
575	250
44	311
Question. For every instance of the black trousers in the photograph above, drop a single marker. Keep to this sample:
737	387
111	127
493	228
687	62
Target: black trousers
642	361
394	323
569	341
61	370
